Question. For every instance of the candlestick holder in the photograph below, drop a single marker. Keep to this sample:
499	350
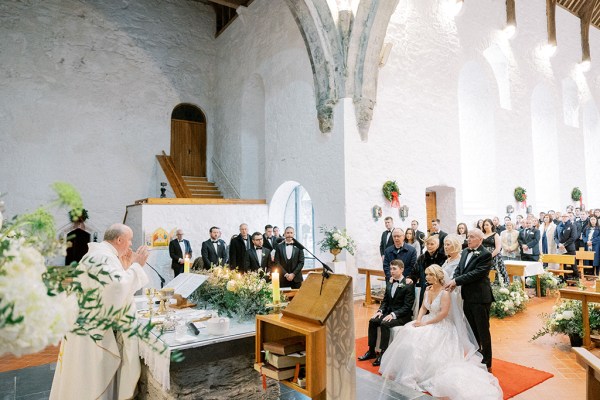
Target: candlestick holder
150	293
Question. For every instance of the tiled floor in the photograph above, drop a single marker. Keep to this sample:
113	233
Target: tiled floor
511	342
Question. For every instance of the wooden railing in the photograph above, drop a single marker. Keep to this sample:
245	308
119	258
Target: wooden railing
175	180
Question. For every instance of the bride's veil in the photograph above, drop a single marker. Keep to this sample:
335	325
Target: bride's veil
457	316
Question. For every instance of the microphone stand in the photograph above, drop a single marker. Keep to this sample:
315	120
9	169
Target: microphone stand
162	280
326	268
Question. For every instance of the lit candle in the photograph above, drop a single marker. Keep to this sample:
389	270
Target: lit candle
275	282
186	264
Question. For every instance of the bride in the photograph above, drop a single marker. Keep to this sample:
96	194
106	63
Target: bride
437	352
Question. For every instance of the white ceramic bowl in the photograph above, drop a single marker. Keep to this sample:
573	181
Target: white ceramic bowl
217	326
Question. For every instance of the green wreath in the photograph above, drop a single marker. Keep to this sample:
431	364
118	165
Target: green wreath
576	194
388	188
520	194
75	216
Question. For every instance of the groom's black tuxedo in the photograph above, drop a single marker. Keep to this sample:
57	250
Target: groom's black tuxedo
476	291
400	304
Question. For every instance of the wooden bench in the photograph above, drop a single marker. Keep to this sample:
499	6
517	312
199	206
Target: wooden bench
582	255
591	363
368	272
561	260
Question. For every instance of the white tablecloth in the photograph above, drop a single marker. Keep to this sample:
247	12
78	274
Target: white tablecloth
531	267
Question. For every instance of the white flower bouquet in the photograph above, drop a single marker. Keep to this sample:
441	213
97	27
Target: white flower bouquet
335	238
509	300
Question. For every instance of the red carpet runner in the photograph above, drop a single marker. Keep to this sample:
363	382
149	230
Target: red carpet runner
513	378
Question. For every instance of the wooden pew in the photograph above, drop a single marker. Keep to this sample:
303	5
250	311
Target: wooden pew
368	272
561	260
582	255
591	363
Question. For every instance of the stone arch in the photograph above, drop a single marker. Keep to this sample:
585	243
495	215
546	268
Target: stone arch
499	63
570	102
477	140
544	138
252	119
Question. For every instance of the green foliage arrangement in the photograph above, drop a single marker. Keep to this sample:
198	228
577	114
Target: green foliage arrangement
78	215
520	194
388	188
567	318
234	294
510	300
576	194
548	282
335	238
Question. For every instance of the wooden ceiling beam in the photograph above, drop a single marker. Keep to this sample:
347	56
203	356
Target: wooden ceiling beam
230	3
511	14
585	14
551	21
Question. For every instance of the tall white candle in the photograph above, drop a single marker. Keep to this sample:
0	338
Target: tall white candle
275	282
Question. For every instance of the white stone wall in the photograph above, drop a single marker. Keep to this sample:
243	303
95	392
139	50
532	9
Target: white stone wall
416	130
86	95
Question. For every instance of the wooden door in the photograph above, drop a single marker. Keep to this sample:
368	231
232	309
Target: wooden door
431	206
188	147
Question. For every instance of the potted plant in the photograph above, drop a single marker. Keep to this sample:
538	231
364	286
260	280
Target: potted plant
566	318
335	241
548	282
509	300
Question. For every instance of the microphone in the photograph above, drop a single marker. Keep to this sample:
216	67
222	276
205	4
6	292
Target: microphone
298	244
162	280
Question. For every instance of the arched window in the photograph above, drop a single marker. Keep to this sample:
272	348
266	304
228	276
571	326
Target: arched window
299	214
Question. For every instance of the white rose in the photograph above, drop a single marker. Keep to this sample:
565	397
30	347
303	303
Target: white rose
337	236
559	317
343	242
504	290
231	286
568	314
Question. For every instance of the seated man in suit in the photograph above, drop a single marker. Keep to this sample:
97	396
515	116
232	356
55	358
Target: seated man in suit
214	250
395	310
179	248
291	261
257	257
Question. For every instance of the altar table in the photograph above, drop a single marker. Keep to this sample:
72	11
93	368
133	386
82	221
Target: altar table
368	272
524	269
584	296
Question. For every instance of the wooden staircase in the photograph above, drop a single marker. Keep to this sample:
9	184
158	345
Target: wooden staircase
200	187
187	186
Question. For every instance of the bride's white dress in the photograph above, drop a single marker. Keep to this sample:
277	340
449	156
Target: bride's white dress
435	359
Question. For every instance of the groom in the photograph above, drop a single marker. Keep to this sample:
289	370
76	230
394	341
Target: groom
395	310
472	274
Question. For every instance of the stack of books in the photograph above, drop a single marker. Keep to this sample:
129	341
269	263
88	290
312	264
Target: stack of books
284	357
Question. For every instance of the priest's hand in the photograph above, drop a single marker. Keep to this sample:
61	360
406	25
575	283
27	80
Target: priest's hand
126	258
140	256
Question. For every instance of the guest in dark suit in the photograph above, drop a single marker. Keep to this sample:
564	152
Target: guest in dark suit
395	310
214	250
436	230
257	258
291	261
499	228
399	251
386	237
419	235
269	240
566	240
178	249
529	242
591	239
237	248
472	275
432	255
278	237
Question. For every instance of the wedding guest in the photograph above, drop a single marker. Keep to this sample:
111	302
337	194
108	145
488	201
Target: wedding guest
529	241
179	249
409	237
499	228
452	248
547	229
291	261
432	255
214	250
395	310
269	240
591	237
493	244
510	242
399	251
386	237
419	235
238	246
479	224
276	234
257	258
436	230
519	225
462	231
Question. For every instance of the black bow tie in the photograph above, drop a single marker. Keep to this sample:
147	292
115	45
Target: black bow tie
259	248
180	241
289	244
395	281
470	250
215	241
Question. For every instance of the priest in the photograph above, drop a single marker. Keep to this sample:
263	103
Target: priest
108	368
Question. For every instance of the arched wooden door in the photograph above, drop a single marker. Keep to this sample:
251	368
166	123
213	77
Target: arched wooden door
188	140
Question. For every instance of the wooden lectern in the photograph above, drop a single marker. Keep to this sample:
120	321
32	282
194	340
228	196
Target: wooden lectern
305	315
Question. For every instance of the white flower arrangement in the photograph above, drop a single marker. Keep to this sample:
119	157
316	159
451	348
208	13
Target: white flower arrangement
509	300
335	238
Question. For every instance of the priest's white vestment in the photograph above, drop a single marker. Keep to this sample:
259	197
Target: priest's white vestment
96	370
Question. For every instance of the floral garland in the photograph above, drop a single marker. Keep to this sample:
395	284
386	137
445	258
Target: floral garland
576	195
509	300
391	191
521	195
78	215
567	318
